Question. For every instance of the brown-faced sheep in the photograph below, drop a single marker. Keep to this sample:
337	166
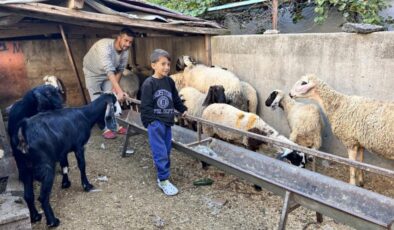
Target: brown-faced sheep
358	122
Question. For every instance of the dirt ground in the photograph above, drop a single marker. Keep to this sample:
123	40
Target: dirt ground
130	199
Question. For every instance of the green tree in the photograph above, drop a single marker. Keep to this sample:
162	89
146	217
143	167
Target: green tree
359	11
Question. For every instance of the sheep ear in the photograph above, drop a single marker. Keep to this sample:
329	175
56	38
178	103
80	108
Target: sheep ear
180	64
271	98
209	99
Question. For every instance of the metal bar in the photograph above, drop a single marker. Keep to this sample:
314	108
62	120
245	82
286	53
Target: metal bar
198	131
312	152
207	140
347	216
72	62
285	209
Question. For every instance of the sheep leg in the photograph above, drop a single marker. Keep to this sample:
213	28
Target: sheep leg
360	176
48	175
80	155
29	197
64	165
352	156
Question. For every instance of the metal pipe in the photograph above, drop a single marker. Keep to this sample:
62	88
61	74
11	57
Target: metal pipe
312	152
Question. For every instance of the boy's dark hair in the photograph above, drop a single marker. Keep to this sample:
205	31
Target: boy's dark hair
128	32
157	53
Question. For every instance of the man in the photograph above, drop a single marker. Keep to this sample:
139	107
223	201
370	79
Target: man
105	61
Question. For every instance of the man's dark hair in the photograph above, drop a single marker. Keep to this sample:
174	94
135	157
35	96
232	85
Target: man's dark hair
128	32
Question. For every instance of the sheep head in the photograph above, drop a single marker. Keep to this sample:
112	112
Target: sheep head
178	79
183	62
215	95
274	99
305	87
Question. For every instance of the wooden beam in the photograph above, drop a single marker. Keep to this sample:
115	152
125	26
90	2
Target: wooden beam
27	29
62	14
72	62
75	4
208	52
275	14
4	143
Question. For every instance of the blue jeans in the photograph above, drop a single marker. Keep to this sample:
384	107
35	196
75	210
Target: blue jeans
160	143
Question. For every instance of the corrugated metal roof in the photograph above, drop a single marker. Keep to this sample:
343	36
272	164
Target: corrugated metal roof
234	5
130	10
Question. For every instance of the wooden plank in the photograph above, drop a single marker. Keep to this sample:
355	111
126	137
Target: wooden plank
62	14
75	4
72	62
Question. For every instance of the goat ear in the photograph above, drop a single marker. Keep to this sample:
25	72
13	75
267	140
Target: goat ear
42	101
110	121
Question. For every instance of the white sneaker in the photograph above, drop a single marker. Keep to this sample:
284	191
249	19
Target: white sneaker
168	188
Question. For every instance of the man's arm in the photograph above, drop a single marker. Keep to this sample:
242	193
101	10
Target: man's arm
115	78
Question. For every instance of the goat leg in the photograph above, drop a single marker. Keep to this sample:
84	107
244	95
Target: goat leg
64	165
80	155
29	197
46	188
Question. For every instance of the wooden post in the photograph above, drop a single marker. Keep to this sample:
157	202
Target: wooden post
4	144
72	62
75	4
275	14
208	54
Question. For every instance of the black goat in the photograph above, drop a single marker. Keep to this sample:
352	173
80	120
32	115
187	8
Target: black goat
48	137
39	99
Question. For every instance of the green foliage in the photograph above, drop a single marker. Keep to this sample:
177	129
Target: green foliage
190	7
359	11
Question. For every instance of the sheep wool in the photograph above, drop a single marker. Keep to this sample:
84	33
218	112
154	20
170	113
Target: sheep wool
251	96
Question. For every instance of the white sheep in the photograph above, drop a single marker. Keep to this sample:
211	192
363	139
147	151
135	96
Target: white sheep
251	96
230	116
304	119
358	122
201	77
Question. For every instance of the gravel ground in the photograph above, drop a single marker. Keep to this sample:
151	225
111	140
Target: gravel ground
130	199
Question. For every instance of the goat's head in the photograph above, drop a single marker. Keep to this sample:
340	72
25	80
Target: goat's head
57	83
48	98
215	95
274	99
305	87
112	107
183	62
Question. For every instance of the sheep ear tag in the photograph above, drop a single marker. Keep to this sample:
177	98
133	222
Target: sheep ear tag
110	121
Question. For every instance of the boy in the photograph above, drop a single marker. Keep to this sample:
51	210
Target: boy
159	97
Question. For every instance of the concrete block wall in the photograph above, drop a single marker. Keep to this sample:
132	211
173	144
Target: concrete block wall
352	64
